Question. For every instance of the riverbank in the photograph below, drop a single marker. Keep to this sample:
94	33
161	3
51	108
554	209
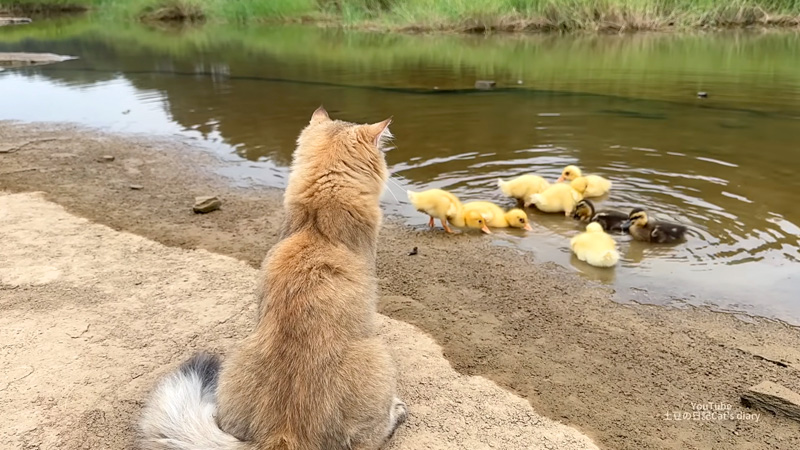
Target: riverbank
616	372
446	15
85	337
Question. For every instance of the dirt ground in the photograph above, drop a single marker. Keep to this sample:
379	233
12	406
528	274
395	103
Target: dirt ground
92	316
619	373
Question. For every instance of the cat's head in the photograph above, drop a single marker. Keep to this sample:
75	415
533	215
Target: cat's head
348	149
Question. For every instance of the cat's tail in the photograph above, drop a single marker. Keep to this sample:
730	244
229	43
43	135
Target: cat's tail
179	415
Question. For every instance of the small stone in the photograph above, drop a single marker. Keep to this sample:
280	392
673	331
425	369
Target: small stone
137	187
413	252
702	95
774	398
108	158
203	205
485	84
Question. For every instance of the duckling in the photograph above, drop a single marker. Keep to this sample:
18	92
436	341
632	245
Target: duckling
557	198
436	203
595	246
521	187
470	219
609	220
595	184
497	218
642	229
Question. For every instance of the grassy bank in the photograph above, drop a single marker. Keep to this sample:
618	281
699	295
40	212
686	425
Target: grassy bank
448	15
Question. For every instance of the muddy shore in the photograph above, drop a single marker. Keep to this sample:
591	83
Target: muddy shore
616	372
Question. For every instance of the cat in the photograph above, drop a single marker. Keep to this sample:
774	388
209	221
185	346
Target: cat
314	374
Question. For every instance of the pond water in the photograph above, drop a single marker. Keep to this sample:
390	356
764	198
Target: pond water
625	107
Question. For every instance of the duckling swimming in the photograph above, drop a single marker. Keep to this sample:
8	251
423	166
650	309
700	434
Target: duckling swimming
595	184
496	217
523	186
557	198
595	246
643	229
610	220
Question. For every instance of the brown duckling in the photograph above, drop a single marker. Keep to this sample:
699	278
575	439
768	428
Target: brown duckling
646	230
611	221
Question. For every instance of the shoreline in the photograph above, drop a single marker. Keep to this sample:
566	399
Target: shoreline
613	371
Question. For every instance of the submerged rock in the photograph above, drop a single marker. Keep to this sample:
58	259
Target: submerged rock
30	59
203	205
14	21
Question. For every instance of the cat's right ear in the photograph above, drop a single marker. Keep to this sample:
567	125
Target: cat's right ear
320	115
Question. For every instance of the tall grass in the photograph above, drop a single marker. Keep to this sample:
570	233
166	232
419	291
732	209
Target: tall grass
457	15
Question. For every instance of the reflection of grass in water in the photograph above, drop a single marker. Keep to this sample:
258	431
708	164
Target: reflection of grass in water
463	15
619	61
37	6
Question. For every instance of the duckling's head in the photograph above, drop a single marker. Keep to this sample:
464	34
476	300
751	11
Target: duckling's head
584	211
594	227
579	184
569	173
517	218
473	219
637	217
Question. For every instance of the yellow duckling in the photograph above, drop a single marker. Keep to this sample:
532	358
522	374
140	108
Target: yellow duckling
496	217
557	198
595	184
437	203
470	219
523	186
595	246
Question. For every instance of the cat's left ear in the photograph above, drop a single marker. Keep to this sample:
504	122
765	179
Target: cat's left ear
379	132
320	115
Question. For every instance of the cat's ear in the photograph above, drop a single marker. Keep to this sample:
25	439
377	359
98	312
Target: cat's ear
320	115
379	132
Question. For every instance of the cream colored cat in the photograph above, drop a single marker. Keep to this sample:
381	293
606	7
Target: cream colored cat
313	375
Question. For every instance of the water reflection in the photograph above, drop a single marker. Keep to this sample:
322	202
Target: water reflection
623	107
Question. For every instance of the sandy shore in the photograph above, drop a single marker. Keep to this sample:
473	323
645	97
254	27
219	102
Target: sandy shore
616	372
95	315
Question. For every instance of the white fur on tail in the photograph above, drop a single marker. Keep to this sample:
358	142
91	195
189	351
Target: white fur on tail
180	413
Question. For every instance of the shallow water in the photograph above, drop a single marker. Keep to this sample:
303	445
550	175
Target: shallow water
620	106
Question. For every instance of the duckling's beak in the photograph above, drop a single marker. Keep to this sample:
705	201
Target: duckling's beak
527	227
485	229
560	179
626	225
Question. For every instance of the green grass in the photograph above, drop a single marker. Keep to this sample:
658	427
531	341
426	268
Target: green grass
451	15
